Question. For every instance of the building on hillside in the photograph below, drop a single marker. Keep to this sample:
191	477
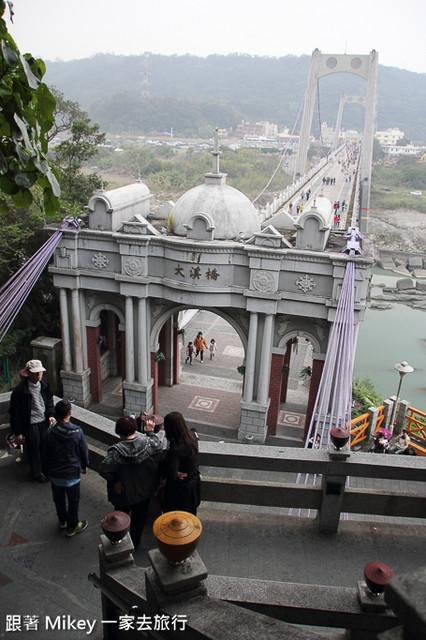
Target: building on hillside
259	129
327	134
399	150
389	136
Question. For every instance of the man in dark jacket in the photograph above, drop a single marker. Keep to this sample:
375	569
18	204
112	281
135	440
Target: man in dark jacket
31	412
130	469
67	456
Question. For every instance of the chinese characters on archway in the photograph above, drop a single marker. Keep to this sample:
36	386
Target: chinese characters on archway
197	273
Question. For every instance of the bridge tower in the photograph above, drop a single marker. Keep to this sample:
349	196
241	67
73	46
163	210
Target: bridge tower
344	100
364	66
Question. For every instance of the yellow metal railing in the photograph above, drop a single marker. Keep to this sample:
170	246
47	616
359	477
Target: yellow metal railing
415	425
360	425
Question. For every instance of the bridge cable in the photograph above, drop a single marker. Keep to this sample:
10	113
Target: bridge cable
283	155
16	290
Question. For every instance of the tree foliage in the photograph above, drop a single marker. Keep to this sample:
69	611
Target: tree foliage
393	184
169	173
26	116
80	146
365	395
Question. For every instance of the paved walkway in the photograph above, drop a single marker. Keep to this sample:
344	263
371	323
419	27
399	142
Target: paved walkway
44	573
209	394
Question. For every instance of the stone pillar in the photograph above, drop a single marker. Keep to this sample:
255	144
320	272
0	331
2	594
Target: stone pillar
286	371
76	331
250	358
154	375
112	343
372	422
405	595
48	350
264	370
130	342
121	346
317	368
176	354
93	353
333	489
167	347
401	418
275	391
254	411
142	342
388	404
65	330
113	557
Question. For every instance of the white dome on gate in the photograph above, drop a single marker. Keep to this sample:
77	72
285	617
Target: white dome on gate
229	210
215	210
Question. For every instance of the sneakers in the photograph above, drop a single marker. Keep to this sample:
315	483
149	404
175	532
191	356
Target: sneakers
62	525
82	525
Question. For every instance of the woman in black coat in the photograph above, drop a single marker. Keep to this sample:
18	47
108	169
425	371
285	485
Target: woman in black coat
180	466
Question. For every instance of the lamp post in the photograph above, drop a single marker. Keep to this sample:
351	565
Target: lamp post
403	368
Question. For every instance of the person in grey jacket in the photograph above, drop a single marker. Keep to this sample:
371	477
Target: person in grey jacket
130	469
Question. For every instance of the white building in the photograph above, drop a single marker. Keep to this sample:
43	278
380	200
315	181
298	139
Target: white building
389	136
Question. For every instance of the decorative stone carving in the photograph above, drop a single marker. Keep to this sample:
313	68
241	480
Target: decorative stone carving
133	266
244	320
321	331
305	283
157	310
91	299
263	281
100	260
282	326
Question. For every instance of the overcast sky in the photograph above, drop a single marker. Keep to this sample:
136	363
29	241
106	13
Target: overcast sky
59	29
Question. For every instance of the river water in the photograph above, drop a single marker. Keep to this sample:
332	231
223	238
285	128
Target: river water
389	336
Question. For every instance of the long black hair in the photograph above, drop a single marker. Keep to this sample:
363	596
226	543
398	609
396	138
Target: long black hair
177	431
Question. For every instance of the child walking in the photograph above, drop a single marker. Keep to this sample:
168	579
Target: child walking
212	348
189	353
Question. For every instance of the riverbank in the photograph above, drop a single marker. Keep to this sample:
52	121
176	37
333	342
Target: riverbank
401	230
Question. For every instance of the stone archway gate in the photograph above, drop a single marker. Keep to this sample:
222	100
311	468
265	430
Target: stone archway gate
269	292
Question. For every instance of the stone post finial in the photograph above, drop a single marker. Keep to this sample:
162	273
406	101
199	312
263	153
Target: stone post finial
216	151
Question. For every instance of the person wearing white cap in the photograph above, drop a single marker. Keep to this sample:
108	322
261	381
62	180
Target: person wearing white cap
31	412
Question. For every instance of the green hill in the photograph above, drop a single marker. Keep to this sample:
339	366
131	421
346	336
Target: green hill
193	94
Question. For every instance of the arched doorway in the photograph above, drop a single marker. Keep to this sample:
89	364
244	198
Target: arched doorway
208	393
105	352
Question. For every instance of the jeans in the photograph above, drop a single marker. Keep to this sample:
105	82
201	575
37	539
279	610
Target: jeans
60	496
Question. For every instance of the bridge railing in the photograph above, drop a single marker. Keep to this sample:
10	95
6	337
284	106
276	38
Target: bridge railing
362	426
416	423
360	429
331	497
371	422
